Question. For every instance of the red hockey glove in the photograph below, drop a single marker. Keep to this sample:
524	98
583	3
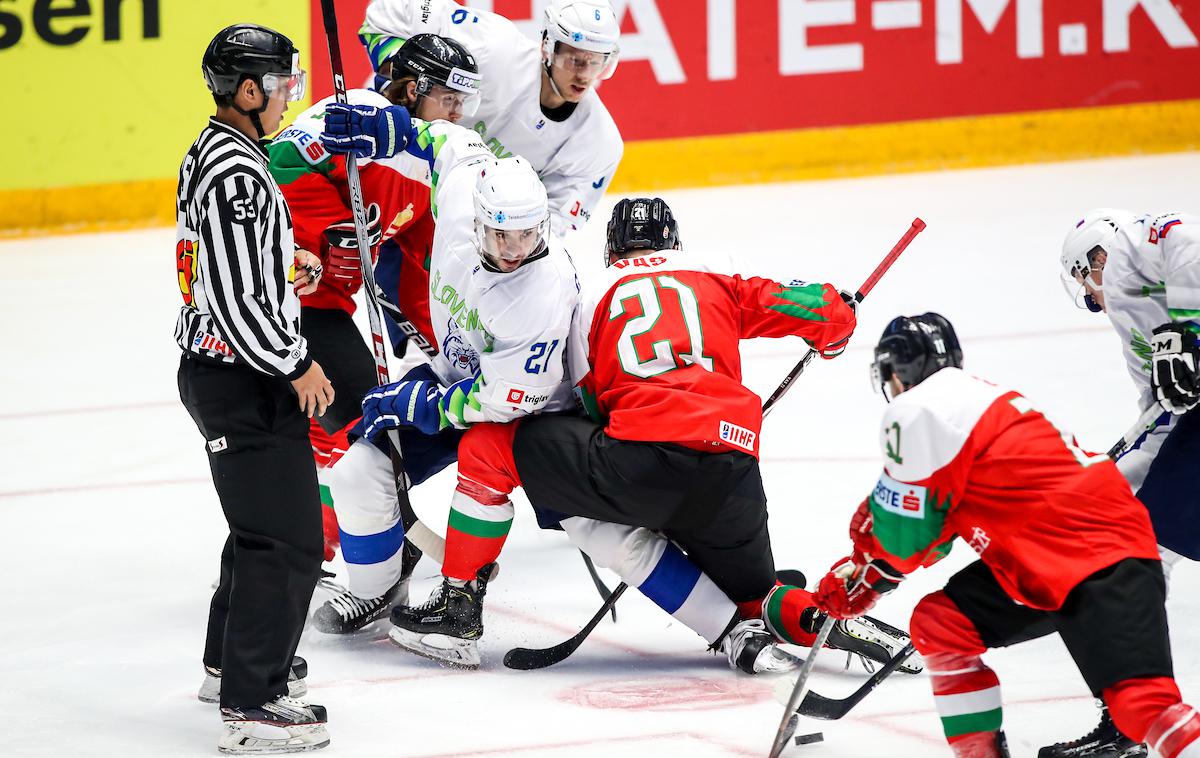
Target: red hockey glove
343	266
860	529
835	349
850	589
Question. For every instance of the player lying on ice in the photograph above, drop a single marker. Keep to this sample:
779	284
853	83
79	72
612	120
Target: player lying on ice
1063	547
1141	270
675	457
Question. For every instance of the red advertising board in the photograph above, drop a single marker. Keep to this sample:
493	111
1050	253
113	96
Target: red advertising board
706	67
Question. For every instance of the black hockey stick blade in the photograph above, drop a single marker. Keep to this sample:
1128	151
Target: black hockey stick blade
527	659
601	587
827	709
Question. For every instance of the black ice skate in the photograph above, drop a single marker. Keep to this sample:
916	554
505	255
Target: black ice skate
447	626
281	725
345	612
210	690
867	637
754	650
1105	741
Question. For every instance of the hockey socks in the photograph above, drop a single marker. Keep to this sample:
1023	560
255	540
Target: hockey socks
480	519
786	610
967	695
1176	733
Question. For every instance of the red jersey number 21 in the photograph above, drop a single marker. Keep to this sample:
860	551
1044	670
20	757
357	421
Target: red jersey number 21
655	309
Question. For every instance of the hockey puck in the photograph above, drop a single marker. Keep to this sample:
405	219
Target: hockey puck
808	739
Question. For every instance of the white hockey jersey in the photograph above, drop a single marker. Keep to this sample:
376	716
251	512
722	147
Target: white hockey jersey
1152	277
575	158
510	328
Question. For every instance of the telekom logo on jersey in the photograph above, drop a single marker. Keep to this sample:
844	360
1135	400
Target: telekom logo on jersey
652	40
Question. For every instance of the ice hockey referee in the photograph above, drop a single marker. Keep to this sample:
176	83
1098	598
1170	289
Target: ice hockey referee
249	383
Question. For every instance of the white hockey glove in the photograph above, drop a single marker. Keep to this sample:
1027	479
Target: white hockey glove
1173	375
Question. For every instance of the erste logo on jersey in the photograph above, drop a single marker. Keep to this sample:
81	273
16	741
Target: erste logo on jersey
738	436
308	145
902	499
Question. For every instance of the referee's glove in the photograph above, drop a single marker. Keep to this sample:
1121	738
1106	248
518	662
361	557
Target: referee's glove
367	131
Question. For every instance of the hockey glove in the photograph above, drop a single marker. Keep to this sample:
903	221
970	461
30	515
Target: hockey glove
850	589
1173	376
345	267
835	349
366	130
412	403
460	399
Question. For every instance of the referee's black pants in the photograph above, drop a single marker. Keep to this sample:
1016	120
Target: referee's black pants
262	467
335	342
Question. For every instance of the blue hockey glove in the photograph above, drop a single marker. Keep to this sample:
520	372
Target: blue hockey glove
1173	368
413	403
366	130
458	400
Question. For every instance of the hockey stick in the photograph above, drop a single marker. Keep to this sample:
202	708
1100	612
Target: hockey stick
529	658
414	531
917	226
787	726
411	332
828	709
601	587
525	659
1145	424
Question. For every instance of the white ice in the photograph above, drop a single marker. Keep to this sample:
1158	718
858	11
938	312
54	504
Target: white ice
112	529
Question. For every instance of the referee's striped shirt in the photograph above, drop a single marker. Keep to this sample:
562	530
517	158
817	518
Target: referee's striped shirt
236	258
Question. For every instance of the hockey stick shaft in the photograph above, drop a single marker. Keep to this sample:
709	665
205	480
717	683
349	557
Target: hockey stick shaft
787	726
601	587
526	659
1146	423
827	709
420	535
916	228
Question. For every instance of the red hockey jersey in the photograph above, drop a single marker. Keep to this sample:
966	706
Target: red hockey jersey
965	458
317	191
662	339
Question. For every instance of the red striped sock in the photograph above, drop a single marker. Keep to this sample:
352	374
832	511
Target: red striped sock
479	522
967	695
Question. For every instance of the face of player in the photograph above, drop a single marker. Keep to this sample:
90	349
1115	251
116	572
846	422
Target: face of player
574	71
441	103
277	105
507	249
1093	283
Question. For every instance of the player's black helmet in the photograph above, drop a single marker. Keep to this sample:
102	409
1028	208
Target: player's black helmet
641	224
913	348
245	51
431	60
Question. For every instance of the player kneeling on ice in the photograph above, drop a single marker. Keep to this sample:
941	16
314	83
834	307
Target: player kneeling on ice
675	454
1141	270
1068	550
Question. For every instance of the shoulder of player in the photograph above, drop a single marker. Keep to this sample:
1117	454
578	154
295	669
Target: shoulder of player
226	160
543	293
935	418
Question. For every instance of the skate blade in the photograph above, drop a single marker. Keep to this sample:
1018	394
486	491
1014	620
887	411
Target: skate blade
448	651
254	738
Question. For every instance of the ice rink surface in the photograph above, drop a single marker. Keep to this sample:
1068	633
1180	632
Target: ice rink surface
113	530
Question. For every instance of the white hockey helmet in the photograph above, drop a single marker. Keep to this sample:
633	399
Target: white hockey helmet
512	214
1097	230
587	25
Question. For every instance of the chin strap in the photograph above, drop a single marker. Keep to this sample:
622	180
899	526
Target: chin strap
253	114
